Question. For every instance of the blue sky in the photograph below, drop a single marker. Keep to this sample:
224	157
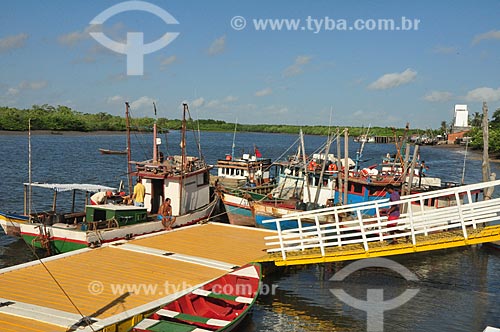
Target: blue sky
353	77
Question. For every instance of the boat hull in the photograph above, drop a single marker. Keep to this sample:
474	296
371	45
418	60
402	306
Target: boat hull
11	223
238	210
60	238
220	305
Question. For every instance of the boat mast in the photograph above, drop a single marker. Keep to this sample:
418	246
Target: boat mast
29	168
234	138
183	154
304	160
129	153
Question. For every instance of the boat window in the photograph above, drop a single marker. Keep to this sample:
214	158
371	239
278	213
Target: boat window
357	188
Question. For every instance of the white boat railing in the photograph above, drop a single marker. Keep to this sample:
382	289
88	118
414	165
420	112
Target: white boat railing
349	224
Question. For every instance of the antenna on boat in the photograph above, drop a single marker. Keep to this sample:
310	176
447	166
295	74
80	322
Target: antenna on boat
129	152
234	138
359	153
155	132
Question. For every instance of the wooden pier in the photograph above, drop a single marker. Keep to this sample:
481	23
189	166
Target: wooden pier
117	284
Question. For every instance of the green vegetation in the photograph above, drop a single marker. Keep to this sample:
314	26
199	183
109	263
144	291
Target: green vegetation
63	118
494	132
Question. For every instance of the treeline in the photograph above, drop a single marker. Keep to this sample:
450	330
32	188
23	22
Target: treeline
63	118
493	132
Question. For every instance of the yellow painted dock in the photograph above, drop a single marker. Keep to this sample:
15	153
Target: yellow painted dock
120	281
436	241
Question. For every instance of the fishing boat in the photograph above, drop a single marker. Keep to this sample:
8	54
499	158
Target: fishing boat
220	305
314	186
11	222
241	180
183	179
107	151
58	231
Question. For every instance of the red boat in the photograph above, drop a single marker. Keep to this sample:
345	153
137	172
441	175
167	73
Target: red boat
219	305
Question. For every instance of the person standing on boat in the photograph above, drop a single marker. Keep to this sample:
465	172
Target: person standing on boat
100	197
393	212
139	193
422	171
165	214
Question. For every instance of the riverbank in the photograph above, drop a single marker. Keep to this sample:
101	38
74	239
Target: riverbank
61	132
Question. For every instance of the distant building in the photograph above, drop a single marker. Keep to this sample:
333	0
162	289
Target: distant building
461	119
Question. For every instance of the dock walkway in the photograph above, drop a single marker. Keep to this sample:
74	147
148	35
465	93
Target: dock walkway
116	284
325	235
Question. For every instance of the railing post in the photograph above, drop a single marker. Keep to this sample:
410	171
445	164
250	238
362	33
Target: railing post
362	228
280	237
412	228
337	226
422	211
469	199
320	237
299	222
377	212
461	215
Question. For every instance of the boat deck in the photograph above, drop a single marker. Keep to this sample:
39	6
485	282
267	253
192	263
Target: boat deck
121	280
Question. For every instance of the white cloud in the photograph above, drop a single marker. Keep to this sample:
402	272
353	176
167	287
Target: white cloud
26	86
143	105
167	61
218	46
230	99
297	67
74	37
197	102
115	100
12	42
438	96
393	80
264	92
12	92
483	94
493	34
34	85
221	103
276	110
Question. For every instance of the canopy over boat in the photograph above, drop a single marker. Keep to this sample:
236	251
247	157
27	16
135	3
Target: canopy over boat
59	187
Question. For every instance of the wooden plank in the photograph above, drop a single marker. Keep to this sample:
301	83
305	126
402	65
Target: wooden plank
97	281
18	324
230	244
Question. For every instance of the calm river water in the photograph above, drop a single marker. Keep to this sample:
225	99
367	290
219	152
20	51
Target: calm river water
459	289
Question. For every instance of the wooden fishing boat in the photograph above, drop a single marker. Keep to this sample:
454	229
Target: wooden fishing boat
183	179
242	179
219	305
107	151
